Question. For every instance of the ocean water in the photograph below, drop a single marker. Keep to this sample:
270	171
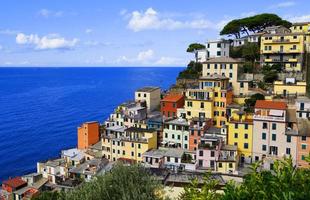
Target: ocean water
40	108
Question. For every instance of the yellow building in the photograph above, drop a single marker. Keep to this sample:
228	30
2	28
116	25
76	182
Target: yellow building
210	99
285	48
227	162
303	27
128	144
290	87
240	134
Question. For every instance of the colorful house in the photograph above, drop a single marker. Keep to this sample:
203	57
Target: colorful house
240	134
88	134
227	162
208	152
283	47
273	132
170	104
197	128
303	142
210	99
176	133
150	96
289	87
128	145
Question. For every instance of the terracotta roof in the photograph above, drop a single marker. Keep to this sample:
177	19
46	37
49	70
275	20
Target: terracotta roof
172	98
278	105
15	182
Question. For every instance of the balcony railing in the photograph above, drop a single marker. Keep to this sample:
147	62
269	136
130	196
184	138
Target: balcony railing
268	118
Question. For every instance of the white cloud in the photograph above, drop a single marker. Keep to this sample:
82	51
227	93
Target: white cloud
151	20
302	18
145	55
52	41
49	13
168	61
8	32
283	4
88	30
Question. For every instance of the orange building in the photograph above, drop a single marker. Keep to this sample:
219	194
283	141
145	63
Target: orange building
170	104
303	143
88	134
197	128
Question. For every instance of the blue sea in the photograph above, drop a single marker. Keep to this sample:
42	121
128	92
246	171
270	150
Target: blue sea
40	108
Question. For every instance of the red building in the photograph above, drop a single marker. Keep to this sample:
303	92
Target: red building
196	130
13	184
170	104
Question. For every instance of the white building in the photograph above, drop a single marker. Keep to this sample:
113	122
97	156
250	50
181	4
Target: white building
149	95
302	107
201	55
218	48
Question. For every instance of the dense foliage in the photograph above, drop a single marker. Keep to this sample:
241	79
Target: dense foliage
193	71
253	24
284	182
123	182
250	103
195	46
271	72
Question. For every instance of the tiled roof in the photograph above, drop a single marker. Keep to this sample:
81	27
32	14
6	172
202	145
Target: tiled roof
278	105
172	97
223	60
15	182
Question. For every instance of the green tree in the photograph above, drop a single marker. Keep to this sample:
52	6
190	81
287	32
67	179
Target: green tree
195	46
250	103
123	182
206	192
254	24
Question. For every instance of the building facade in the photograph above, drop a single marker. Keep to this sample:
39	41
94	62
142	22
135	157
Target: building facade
88	134
149	95
170	104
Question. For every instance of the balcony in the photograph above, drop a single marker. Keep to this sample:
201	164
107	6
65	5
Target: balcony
293	60
268	60
268	118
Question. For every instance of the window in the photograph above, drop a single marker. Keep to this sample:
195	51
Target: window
264	147
188	113
274	126
230	75
246	136
139	95
288	151
236	135
185	137
176	160
264	125
230	165
113	150
264	136
200	153
139	146
218	45
168	159
288	138
195	141
246	126
236	126
236	143
200	162
230	66
246	145
124	152
220	165
189	104
202	105
212	153
208	66
132	145
118	151
274	137
215	66
303	157
132	153
163	104
172	136
303	146
216	94
241	85
303	138
218	53
166	135
139	154
174	105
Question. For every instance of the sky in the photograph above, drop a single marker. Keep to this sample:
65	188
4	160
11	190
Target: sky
121	33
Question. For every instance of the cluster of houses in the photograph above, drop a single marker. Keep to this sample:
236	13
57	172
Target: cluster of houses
199	127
